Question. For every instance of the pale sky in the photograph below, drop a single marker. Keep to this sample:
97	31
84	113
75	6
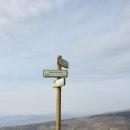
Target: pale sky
92	35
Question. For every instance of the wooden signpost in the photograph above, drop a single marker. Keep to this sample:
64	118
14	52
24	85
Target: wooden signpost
60	75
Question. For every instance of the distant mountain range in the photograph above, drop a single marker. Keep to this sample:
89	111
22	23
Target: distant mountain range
24	119
18	120
108	121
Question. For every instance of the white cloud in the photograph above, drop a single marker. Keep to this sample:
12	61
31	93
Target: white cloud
13	12
126	12
106	54
79	14
92	51
35	35
23	8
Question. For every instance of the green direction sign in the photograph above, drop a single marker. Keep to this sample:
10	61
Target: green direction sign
55	73
63	63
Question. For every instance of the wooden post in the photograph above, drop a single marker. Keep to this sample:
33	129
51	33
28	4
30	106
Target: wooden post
61	75
58	101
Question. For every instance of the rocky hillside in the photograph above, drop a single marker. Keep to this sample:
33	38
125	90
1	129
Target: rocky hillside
109	121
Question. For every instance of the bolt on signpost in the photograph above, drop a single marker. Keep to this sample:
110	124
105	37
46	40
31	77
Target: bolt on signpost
60	75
